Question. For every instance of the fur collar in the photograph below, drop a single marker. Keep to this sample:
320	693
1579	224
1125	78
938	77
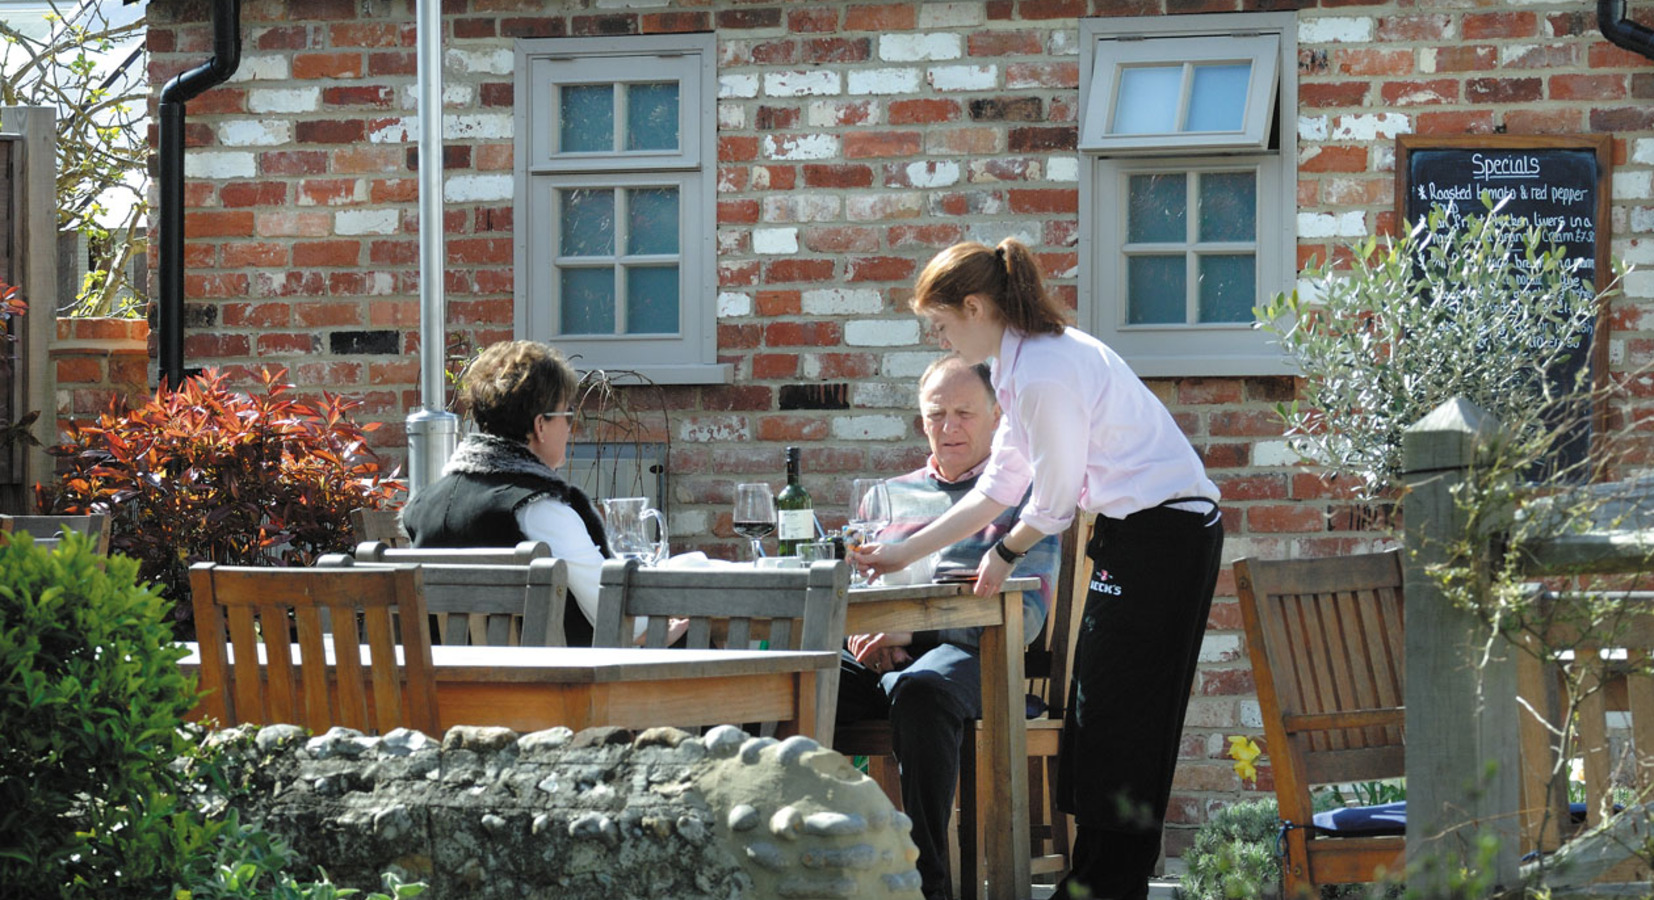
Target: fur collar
489	454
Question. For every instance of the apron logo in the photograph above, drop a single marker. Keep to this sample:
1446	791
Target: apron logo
1100	584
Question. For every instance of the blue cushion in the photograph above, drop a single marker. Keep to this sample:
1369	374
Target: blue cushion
1364	821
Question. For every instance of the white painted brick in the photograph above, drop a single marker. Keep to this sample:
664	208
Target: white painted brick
255	133
933	174
733	305
1616	355
1063	42
484	127
1427	60
396	131
706	429
1635	252
883	395
690	521
1215	648
919	47
1642	151
1371	127
261	67
455	96
1335	30
478	188
1251	714
1631	185
834	113
841	302
284	100
964	78
801	147
814	83
991	233
1639	283
732	87
775	241
907	365
732	240
800	207
883	81
1062	168
366	221
732	117
380	284
480	62
1381	158
1642	219
875	207
1312	128
870	428
220	165
1273	454
952	15
1325	225
881	333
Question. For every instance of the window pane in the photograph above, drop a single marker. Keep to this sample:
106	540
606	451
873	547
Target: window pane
588	119
1155	290
588	301
1227	288
588	222
1148	101
653	221
1217	101
652	300
652	116
1228	206
1157	210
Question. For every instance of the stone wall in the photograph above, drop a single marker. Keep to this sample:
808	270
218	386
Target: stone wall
606	813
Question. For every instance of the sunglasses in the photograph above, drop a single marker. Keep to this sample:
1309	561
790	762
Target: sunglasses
567	415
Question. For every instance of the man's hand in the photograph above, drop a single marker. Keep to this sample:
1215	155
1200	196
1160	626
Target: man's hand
883	652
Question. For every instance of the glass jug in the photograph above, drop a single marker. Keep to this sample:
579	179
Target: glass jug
626	519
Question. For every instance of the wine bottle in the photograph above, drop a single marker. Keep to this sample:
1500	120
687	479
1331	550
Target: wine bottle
795	514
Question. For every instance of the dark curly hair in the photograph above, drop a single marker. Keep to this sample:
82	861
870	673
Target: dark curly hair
512	382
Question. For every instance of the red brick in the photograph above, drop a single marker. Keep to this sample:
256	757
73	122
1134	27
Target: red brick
1635	118
1547	121
1504	90
1323	158
1038	139
933	236
922	111
841	239
735	148
774	304
253	193
818	51
812	21
674	22
1407	29
330	131
278	342
354	95
1285	519
256	315
79	370
288	37
1199	391
741	273
882	18
199	255
393	252
738	212
199	345
393	190
880	268
776	118
480	251
1453	123
327	253
1042	75
393	64
533	27
370	34
803	334
1483	26
1051	9
766	17
293	162
1003	43
329	314
1588	87
785	271
326	65
1419	93
1466	58
243	254
219	101
1324	94
1604	55
1227	682
1543	56
869	144
774	367
823	175
794	429
738	337
204	224
1044	201
1360	61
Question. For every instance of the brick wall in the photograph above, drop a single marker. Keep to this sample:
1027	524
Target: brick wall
99	362
854	141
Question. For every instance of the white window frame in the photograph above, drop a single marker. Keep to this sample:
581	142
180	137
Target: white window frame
1209	349
1114	55
543	66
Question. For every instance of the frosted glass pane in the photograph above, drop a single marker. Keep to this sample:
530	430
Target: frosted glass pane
588	222
1227	288
1157	210
1155	290
588	119
1148	100
652	300
1217	101
588	301
652	116
653	221
1228	206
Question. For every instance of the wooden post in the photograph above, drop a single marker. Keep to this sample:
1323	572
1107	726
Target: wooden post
1462	718
37	267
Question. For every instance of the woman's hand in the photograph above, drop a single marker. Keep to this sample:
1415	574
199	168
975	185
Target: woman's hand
878	559
991	573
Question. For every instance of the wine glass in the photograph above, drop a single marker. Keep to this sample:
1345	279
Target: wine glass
754	515
869	513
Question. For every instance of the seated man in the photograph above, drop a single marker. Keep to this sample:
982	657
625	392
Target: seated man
929	684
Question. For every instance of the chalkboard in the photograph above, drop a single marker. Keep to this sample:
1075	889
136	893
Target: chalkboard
1558	183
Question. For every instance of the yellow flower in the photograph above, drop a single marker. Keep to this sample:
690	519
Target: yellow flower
1245	754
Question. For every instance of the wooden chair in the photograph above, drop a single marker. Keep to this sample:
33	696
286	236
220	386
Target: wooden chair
521	554
496	605
379	525
794	609
264	607
1046	664
48	530
1326	641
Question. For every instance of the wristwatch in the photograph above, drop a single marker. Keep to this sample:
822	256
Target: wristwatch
1006	553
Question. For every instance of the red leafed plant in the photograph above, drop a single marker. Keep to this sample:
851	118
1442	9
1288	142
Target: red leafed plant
208	474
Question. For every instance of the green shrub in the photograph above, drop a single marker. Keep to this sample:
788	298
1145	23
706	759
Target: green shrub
91	698
207	474
1233	855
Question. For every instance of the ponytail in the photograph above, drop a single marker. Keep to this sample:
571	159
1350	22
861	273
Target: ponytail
1008	275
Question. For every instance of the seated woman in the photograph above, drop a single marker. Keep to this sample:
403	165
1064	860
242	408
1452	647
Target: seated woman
500	488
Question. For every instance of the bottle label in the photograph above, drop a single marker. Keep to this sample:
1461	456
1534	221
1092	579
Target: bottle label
795	525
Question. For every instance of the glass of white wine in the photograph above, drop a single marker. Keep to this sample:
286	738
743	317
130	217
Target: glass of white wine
869	514
754	515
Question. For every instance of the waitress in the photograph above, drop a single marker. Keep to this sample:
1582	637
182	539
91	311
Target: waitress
1085	433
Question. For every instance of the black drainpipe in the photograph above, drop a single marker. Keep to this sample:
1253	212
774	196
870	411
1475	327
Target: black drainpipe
226	20
1622	31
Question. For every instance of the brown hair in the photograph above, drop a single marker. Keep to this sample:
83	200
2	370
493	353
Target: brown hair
512	382
1008	275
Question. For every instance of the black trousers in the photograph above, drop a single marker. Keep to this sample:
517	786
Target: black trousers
1134	666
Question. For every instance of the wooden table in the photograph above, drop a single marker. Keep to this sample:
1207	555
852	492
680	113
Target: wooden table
930	607
532	688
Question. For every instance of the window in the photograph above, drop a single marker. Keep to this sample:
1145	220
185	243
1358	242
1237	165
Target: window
1188	187
615	163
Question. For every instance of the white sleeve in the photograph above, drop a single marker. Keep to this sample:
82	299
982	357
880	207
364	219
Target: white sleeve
559	526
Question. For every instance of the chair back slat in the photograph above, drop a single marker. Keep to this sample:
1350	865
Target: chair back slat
383	525
264	607
521	554
497	604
